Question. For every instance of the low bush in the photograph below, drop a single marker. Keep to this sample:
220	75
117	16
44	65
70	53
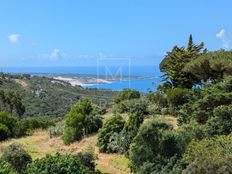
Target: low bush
87	158
38	123
111	126
177	96
16	156
4	132
57	130
15	127
57	164
127	94
80	121
6	168
131	106
153	109
148	144
210	155
221	122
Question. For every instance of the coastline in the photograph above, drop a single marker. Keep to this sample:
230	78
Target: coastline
78	82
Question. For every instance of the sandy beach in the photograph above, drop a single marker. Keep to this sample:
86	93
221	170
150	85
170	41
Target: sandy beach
78	82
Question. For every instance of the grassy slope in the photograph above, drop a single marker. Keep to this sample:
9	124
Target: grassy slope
39	144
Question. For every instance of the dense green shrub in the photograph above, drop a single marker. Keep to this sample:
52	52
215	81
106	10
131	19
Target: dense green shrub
187	132
211	148
158	98
57	130
38	123
211	155
57	164
87	158
6	168
71	134
111	126
202	102
131	106
130	129
177	96
11	102
170	166
14	125
147	145
16	156
221	122
4	132
80	121
127	94
164	111
120	142
215	166
153	108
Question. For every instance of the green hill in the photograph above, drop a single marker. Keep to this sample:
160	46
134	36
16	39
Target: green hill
43	96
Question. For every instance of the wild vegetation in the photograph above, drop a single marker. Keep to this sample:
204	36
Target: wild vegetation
35	96
183	127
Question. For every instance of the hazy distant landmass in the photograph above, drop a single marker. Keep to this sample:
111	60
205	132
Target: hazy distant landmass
115	78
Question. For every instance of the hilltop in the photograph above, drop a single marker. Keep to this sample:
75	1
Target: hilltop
48	97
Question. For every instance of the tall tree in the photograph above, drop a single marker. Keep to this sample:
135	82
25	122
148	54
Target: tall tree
212	66
174	62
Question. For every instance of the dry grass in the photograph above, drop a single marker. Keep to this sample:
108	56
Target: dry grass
23	83
40	144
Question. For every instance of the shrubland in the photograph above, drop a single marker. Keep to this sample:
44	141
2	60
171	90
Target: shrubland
196	91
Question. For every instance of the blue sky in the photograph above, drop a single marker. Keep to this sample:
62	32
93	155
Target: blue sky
82	32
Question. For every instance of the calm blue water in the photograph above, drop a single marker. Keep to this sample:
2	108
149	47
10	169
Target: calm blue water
142	85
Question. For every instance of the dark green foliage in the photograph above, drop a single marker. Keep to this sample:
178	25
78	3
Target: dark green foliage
202	102
170	166
110	127
186	133
131	106
57	164
177	96
120	142
38	123
17	157
4	132
127	94
87	158
80	121
14	125
221	122
158	98
47	97
148	144
6	168
11	102
212	66
202	153
130	130
71	134
215	166
174	62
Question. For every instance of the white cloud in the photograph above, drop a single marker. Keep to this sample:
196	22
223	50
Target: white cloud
222	36
56	54
13	38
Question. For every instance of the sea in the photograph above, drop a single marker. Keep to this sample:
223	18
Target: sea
141	78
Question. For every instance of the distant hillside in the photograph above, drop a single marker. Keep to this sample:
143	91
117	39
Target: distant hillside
43	96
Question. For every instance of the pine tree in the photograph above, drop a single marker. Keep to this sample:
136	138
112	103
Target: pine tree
175	61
